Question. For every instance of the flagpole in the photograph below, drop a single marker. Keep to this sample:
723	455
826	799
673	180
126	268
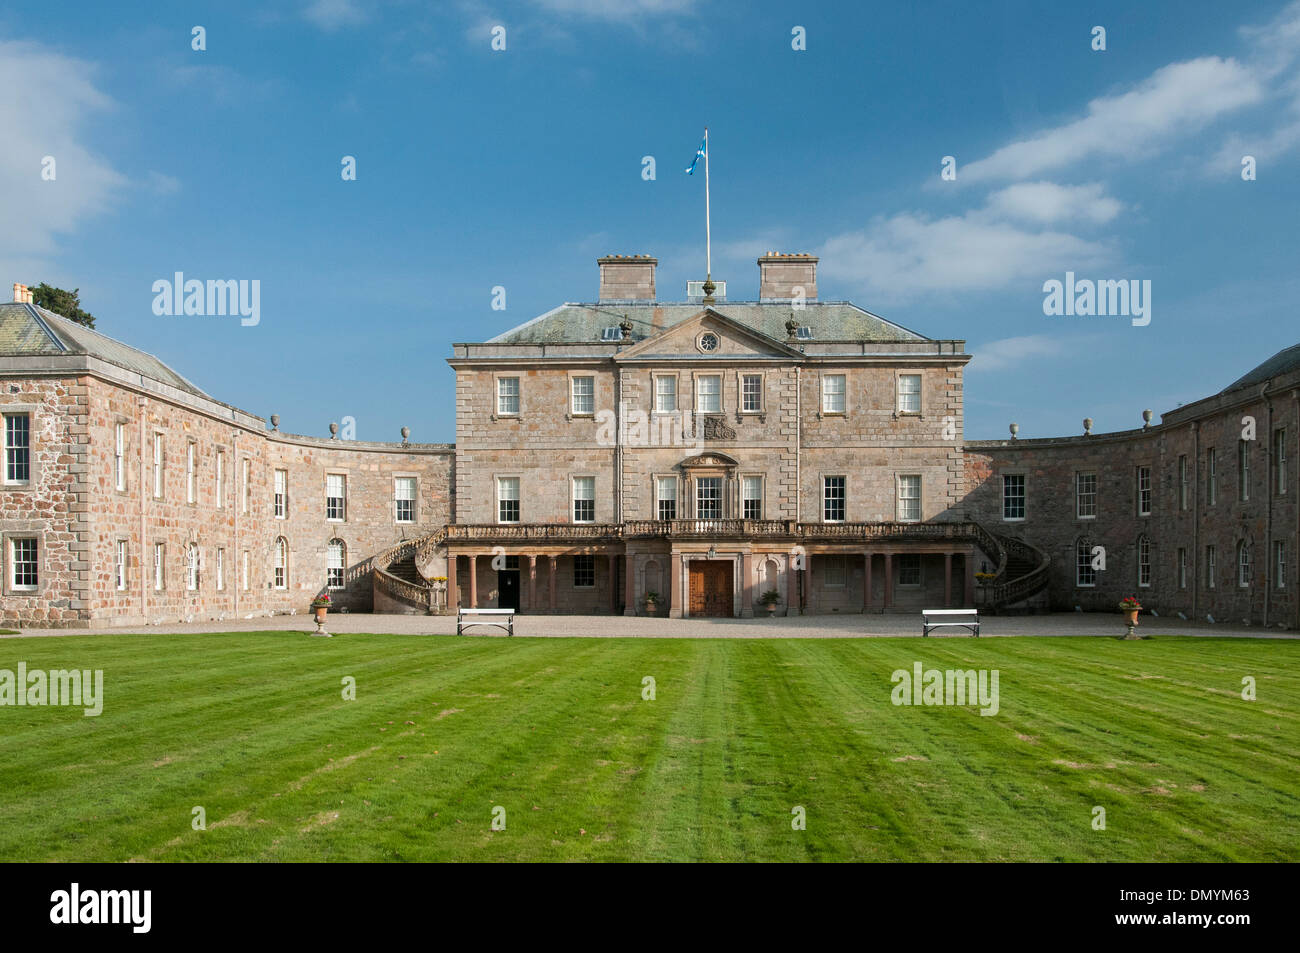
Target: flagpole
708	238
708	248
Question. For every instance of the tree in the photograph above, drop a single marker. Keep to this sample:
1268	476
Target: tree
66	303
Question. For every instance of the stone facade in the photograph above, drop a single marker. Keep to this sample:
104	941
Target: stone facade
703	453
1160	547
89	506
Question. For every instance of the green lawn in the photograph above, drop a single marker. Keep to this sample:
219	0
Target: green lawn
253	728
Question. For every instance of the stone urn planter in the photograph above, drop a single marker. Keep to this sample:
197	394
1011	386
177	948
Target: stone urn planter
320	608
770	600
1130	608
651	601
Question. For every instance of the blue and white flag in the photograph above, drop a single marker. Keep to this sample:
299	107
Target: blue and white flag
698	155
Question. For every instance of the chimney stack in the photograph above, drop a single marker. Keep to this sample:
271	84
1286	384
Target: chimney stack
22	294
779	275
627	277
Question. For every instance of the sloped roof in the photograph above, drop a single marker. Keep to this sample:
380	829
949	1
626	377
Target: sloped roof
1284	361
583	323
30	330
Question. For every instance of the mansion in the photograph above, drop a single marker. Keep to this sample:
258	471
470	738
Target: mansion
629	456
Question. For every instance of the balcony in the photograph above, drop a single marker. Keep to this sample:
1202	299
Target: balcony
711	529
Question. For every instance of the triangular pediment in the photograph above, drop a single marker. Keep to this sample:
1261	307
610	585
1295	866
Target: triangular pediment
690	338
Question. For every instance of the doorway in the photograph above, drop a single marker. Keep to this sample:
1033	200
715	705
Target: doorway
712	596
508	584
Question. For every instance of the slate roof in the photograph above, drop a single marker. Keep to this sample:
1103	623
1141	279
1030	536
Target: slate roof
582	323
1284	361
30	330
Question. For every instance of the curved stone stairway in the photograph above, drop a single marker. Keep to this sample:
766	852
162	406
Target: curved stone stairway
1021	574
396	580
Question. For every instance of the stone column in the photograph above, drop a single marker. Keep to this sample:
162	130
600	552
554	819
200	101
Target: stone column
675	587
473	580
809	588
629	585
889	580
453	593
866	581
947	580
747	586
792	583
969	560
613	583
550	581
532	583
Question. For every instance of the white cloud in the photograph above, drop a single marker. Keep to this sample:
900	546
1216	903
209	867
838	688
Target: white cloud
1013	352
332	15
617	9
162	184
1045	202
910	255
49	100
1175	100
1276	47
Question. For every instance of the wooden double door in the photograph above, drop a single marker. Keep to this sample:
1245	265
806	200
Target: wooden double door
712	595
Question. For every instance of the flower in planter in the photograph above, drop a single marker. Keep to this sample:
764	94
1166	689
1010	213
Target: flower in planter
321	602
1129	604
986	577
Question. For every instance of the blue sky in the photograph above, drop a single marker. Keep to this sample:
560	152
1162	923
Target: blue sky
519	168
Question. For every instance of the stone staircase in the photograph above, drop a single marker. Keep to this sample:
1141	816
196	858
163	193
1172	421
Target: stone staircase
405	570
397	582
1022	573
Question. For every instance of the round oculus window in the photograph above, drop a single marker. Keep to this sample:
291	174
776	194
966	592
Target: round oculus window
708	341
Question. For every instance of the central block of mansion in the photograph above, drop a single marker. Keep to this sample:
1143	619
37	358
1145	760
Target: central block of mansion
634	456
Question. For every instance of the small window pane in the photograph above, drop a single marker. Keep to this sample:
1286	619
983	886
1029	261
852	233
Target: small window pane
833	389
909	498
507	395
708	498
1013	496
833	499
909	393
584	571
665	395
708	399
584	395
666	497
508	500
584	499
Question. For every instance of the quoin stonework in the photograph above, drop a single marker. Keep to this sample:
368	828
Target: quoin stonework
630	455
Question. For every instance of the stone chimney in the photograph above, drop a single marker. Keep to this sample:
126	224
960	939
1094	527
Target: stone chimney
627	277
22	294
779	275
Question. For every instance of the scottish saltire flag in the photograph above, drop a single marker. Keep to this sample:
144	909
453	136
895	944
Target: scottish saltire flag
698	156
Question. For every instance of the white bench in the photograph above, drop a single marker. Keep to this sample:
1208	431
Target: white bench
937	618
501	618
